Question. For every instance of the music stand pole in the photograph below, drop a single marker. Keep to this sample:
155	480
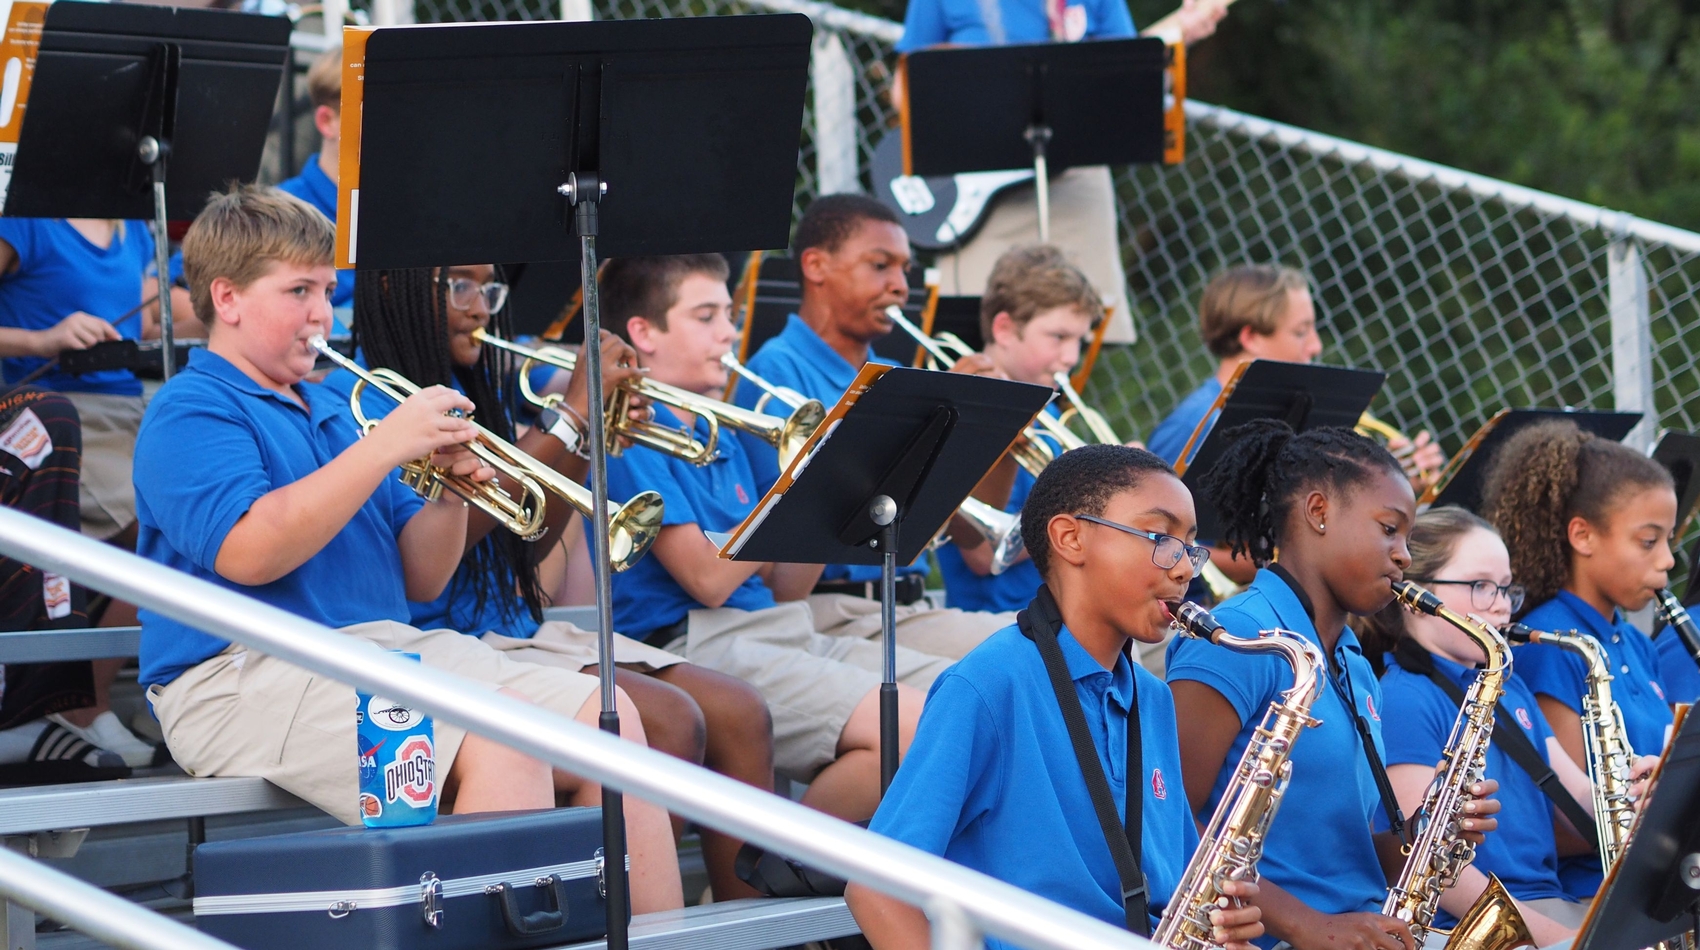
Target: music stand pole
584	191
153	153
1039	136
883	511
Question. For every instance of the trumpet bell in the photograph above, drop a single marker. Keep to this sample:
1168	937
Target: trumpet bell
1000	528
633	528
798	427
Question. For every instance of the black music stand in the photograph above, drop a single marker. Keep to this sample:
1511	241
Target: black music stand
1653	892
990	108
1304	395
1460	483
891	463
570	115
1680	452
122	93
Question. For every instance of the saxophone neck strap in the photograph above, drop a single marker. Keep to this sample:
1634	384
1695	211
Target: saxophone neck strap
1509	739
1348	696
1040	623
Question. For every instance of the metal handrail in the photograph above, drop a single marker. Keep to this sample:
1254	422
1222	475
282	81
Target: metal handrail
994	907
105	917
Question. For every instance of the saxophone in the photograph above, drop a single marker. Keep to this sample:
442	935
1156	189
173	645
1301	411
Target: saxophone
1439	851
1233	842
1604	738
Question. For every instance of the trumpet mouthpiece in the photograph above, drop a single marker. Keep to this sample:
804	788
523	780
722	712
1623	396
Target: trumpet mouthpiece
1195	621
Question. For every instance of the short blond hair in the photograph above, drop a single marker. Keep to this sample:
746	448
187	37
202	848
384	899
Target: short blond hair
324	79
1247	295
242	232
1027	281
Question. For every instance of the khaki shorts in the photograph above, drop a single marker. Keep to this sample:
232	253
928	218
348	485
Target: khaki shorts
571	647
110	423
812	682
938	631
1083	224
245	713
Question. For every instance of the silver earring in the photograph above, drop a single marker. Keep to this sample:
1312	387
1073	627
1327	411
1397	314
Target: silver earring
1322	528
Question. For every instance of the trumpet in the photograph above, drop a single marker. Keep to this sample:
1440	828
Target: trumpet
1000	528
789	434
1369	425
632	527
1077	407
1031	452
678	442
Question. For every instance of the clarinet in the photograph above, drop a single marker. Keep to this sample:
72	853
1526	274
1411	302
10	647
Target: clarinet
1672	612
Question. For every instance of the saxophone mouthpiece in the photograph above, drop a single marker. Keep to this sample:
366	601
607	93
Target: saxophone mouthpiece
1417	598
1518	632
1195	621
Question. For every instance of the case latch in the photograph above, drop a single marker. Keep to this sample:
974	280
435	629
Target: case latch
431	900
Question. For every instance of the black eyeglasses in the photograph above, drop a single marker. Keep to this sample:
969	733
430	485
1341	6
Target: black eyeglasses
1483	593
1169	549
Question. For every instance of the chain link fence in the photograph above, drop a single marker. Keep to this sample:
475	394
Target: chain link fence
1472	294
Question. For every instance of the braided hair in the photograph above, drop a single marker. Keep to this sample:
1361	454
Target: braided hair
1546	475
1267	468
401	321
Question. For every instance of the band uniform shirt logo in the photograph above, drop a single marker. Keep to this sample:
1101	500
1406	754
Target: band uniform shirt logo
1658	690
1524	720
1369	707
743	497
1158	788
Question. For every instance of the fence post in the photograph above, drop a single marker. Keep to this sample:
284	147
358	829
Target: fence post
834	80
1631	340
577	11
393	12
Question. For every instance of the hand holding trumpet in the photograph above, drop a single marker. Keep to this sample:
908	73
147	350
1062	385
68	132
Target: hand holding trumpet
434	421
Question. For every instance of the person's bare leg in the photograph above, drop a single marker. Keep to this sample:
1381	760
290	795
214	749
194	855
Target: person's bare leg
488	776
740	745
671	720
655	880
850	787
578	584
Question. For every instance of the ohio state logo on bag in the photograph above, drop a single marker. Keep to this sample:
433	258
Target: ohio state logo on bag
412	777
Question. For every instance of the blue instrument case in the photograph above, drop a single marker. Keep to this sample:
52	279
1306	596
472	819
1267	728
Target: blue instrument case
504	881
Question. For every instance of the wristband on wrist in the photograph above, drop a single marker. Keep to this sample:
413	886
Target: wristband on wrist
582	446
558	425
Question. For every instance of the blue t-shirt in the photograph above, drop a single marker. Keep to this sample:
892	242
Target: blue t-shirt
1677	668
1635	688
1523	852
996	22
60	272
1319	847
316	188
457	607
714	497
991	781
799	359
1015	587
212	443
1169	438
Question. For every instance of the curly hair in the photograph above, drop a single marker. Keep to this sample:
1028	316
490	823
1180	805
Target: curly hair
1434	539
1267	468
1544	476
1080	481
401	321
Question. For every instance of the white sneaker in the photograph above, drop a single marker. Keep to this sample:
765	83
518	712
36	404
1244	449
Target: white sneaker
108	733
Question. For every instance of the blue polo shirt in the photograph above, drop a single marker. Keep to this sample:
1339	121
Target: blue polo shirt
316	188
457	607
1523	851
714	497
1169	438
1677	668
799	359
211	444
996	22
1015	587
1635	687
60	272
1319	847
991	781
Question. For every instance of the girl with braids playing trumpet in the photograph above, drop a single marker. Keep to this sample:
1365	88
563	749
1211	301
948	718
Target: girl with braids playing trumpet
1339	510
420	323
1589	524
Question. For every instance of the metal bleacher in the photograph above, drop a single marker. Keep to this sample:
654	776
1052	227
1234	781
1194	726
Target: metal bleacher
144	842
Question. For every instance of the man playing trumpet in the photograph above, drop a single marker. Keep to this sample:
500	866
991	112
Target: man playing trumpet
852	255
